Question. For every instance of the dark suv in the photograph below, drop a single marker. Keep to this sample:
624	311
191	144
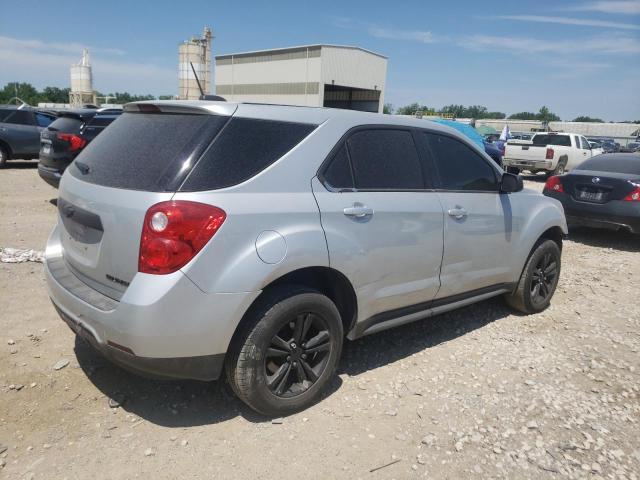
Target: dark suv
67	136
20	128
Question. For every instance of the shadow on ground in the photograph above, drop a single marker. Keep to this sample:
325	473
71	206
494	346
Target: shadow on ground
616	239
17	164
186	403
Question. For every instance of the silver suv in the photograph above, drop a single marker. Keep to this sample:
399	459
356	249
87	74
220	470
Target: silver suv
196	238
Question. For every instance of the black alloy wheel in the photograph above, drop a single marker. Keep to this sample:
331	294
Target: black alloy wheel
297	355
543	279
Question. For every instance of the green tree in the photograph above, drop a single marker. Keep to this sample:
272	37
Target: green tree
414	108
584	118
386	108
523	116
546	115
55	95
24	91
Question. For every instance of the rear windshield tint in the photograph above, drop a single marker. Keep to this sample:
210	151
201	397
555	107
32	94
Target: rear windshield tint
66	125
147	151
560	140
243	149
606	163
103	120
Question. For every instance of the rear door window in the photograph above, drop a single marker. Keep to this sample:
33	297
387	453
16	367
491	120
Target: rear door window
20	117
385	159
243	149
459	166
146	151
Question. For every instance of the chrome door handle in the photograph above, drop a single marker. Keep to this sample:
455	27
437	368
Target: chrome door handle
358	210
457	213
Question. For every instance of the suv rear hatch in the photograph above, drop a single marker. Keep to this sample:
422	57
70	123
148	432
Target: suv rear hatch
140	160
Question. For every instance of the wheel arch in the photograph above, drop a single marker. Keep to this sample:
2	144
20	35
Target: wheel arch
7	147
326	280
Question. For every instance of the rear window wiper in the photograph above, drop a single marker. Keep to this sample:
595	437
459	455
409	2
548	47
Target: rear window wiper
83	167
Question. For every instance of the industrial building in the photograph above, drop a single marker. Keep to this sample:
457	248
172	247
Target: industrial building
312	75
196	52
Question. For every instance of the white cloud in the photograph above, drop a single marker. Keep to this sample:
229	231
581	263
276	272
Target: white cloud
72	47
625	7
611	44
571	21
44	64
412	35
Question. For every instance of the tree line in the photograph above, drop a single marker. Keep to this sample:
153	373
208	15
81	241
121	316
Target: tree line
33	96
480	112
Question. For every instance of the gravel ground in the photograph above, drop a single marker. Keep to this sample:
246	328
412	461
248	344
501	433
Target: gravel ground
480	392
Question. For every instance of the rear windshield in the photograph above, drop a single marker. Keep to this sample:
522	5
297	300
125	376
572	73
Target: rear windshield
146	151
561	140
605	163
103	120
186	152
66	125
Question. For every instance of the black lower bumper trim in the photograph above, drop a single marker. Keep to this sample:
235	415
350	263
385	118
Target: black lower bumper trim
205	367
50	175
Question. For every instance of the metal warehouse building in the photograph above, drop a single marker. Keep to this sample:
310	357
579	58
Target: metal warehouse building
312	75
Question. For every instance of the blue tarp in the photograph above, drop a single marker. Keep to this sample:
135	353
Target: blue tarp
466	130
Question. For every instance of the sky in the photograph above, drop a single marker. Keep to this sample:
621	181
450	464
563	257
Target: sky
578	57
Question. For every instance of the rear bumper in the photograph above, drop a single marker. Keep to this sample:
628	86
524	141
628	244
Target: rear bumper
612	215
527	164
204	367
50	175
163	326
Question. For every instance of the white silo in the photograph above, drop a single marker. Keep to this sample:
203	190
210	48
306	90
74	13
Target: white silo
82	82
196	51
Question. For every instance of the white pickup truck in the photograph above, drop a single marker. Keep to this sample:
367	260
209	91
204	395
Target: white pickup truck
550	152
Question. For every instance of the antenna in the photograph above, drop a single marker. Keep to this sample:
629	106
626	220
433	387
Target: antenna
197	80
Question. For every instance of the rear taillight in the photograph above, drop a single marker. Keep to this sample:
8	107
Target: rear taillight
550	154
634	196
174	232
554	184
75	142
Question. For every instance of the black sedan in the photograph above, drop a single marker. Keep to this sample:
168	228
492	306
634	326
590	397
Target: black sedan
602	192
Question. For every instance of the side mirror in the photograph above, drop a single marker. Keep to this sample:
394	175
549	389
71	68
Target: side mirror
511	183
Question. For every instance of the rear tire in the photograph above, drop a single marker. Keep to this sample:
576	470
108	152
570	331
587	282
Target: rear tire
4	156
539	279
560	168
286	352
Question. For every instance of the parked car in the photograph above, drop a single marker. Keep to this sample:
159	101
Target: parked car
608	144
631	147
549	152
602	192
197	237
20	128
67	136
596	149
494	152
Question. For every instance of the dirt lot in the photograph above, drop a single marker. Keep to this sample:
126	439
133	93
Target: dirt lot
481	392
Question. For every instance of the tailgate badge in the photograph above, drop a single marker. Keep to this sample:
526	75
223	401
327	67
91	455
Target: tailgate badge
595	180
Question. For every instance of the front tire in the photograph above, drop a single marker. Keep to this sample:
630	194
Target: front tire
287	351
539	279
